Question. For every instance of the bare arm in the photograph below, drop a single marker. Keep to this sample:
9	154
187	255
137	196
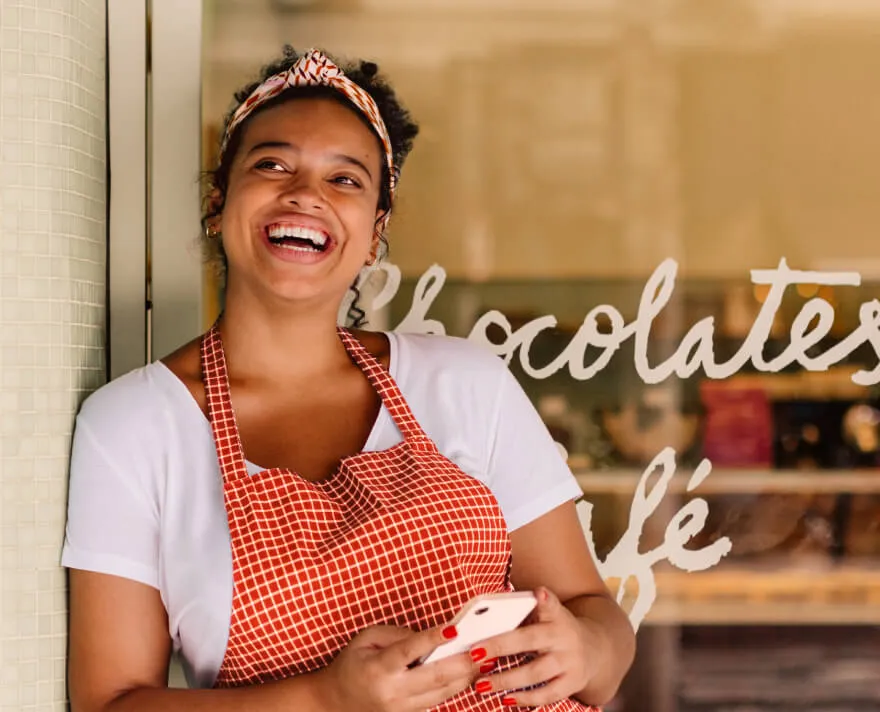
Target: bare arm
552	552
120	652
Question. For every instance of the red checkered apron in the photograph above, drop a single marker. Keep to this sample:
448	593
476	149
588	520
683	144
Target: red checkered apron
400	537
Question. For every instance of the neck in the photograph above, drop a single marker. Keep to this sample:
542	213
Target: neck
280	345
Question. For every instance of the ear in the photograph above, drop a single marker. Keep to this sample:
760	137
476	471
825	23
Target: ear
214	204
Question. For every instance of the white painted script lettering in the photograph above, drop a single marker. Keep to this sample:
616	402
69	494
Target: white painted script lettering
626	562
696	350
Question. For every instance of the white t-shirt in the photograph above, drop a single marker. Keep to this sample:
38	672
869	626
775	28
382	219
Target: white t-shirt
146	501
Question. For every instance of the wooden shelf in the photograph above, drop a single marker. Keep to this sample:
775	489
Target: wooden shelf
755	614
763	594
727	481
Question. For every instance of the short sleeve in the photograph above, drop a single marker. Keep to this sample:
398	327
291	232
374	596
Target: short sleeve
112	528
526	470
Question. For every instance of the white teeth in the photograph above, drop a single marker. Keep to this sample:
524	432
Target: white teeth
299	248
316	237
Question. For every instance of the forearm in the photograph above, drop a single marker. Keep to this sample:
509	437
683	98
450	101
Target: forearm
608	624
303	693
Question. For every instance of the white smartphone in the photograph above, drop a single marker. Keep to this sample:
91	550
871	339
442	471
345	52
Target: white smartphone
484	617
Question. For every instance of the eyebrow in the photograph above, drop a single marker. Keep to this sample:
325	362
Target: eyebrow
338	156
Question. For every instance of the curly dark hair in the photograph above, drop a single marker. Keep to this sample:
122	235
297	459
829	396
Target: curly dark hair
402	130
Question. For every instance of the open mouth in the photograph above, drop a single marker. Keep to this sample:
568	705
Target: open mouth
298	238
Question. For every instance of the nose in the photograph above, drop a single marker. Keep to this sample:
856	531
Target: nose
303	191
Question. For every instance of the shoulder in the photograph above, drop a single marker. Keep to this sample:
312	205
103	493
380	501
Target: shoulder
453	386
142	396
130	407
448	355
127	432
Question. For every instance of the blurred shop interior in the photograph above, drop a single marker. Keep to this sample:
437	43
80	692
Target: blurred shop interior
568	147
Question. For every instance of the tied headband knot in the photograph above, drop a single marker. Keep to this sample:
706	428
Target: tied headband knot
315	68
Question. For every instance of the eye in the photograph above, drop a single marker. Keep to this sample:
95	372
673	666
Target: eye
267	164
347	180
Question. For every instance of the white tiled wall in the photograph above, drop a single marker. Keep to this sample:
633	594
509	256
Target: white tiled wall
52	286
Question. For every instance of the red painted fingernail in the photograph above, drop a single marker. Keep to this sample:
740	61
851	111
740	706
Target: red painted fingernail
508	701
488	667
449	632
478	654
484	686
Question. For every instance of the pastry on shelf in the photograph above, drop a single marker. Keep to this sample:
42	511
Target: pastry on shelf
639	433
770	524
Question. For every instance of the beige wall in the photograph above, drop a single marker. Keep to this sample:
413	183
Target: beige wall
52	265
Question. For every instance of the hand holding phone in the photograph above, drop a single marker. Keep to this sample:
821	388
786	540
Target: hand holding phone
484	617
370	673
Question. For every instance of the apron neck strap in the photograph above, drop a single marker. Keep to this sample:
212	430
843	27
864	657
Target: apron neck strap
387	389
216	382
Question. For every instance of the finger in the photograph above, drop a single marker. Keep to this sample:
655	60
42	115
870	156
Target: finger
542	669
434	698
549	606
444	672
435	683
417	645
381	636
537	638
553	691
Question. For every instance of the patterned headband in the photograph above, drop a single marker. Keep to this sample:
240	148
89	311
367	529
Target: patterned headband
314	68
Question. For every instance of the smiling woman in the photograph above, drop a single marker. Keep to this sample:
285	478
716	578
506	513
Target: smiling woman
330	174
399	476
373	162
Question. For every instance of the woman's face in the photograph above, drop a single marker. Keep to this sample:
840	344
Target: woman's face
301	206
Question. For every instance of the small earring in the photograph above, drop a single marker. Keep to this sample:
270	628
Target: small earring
211	232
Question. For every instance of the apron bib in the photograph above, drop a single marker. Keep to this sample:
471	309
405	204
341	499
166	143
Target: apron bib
399	537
